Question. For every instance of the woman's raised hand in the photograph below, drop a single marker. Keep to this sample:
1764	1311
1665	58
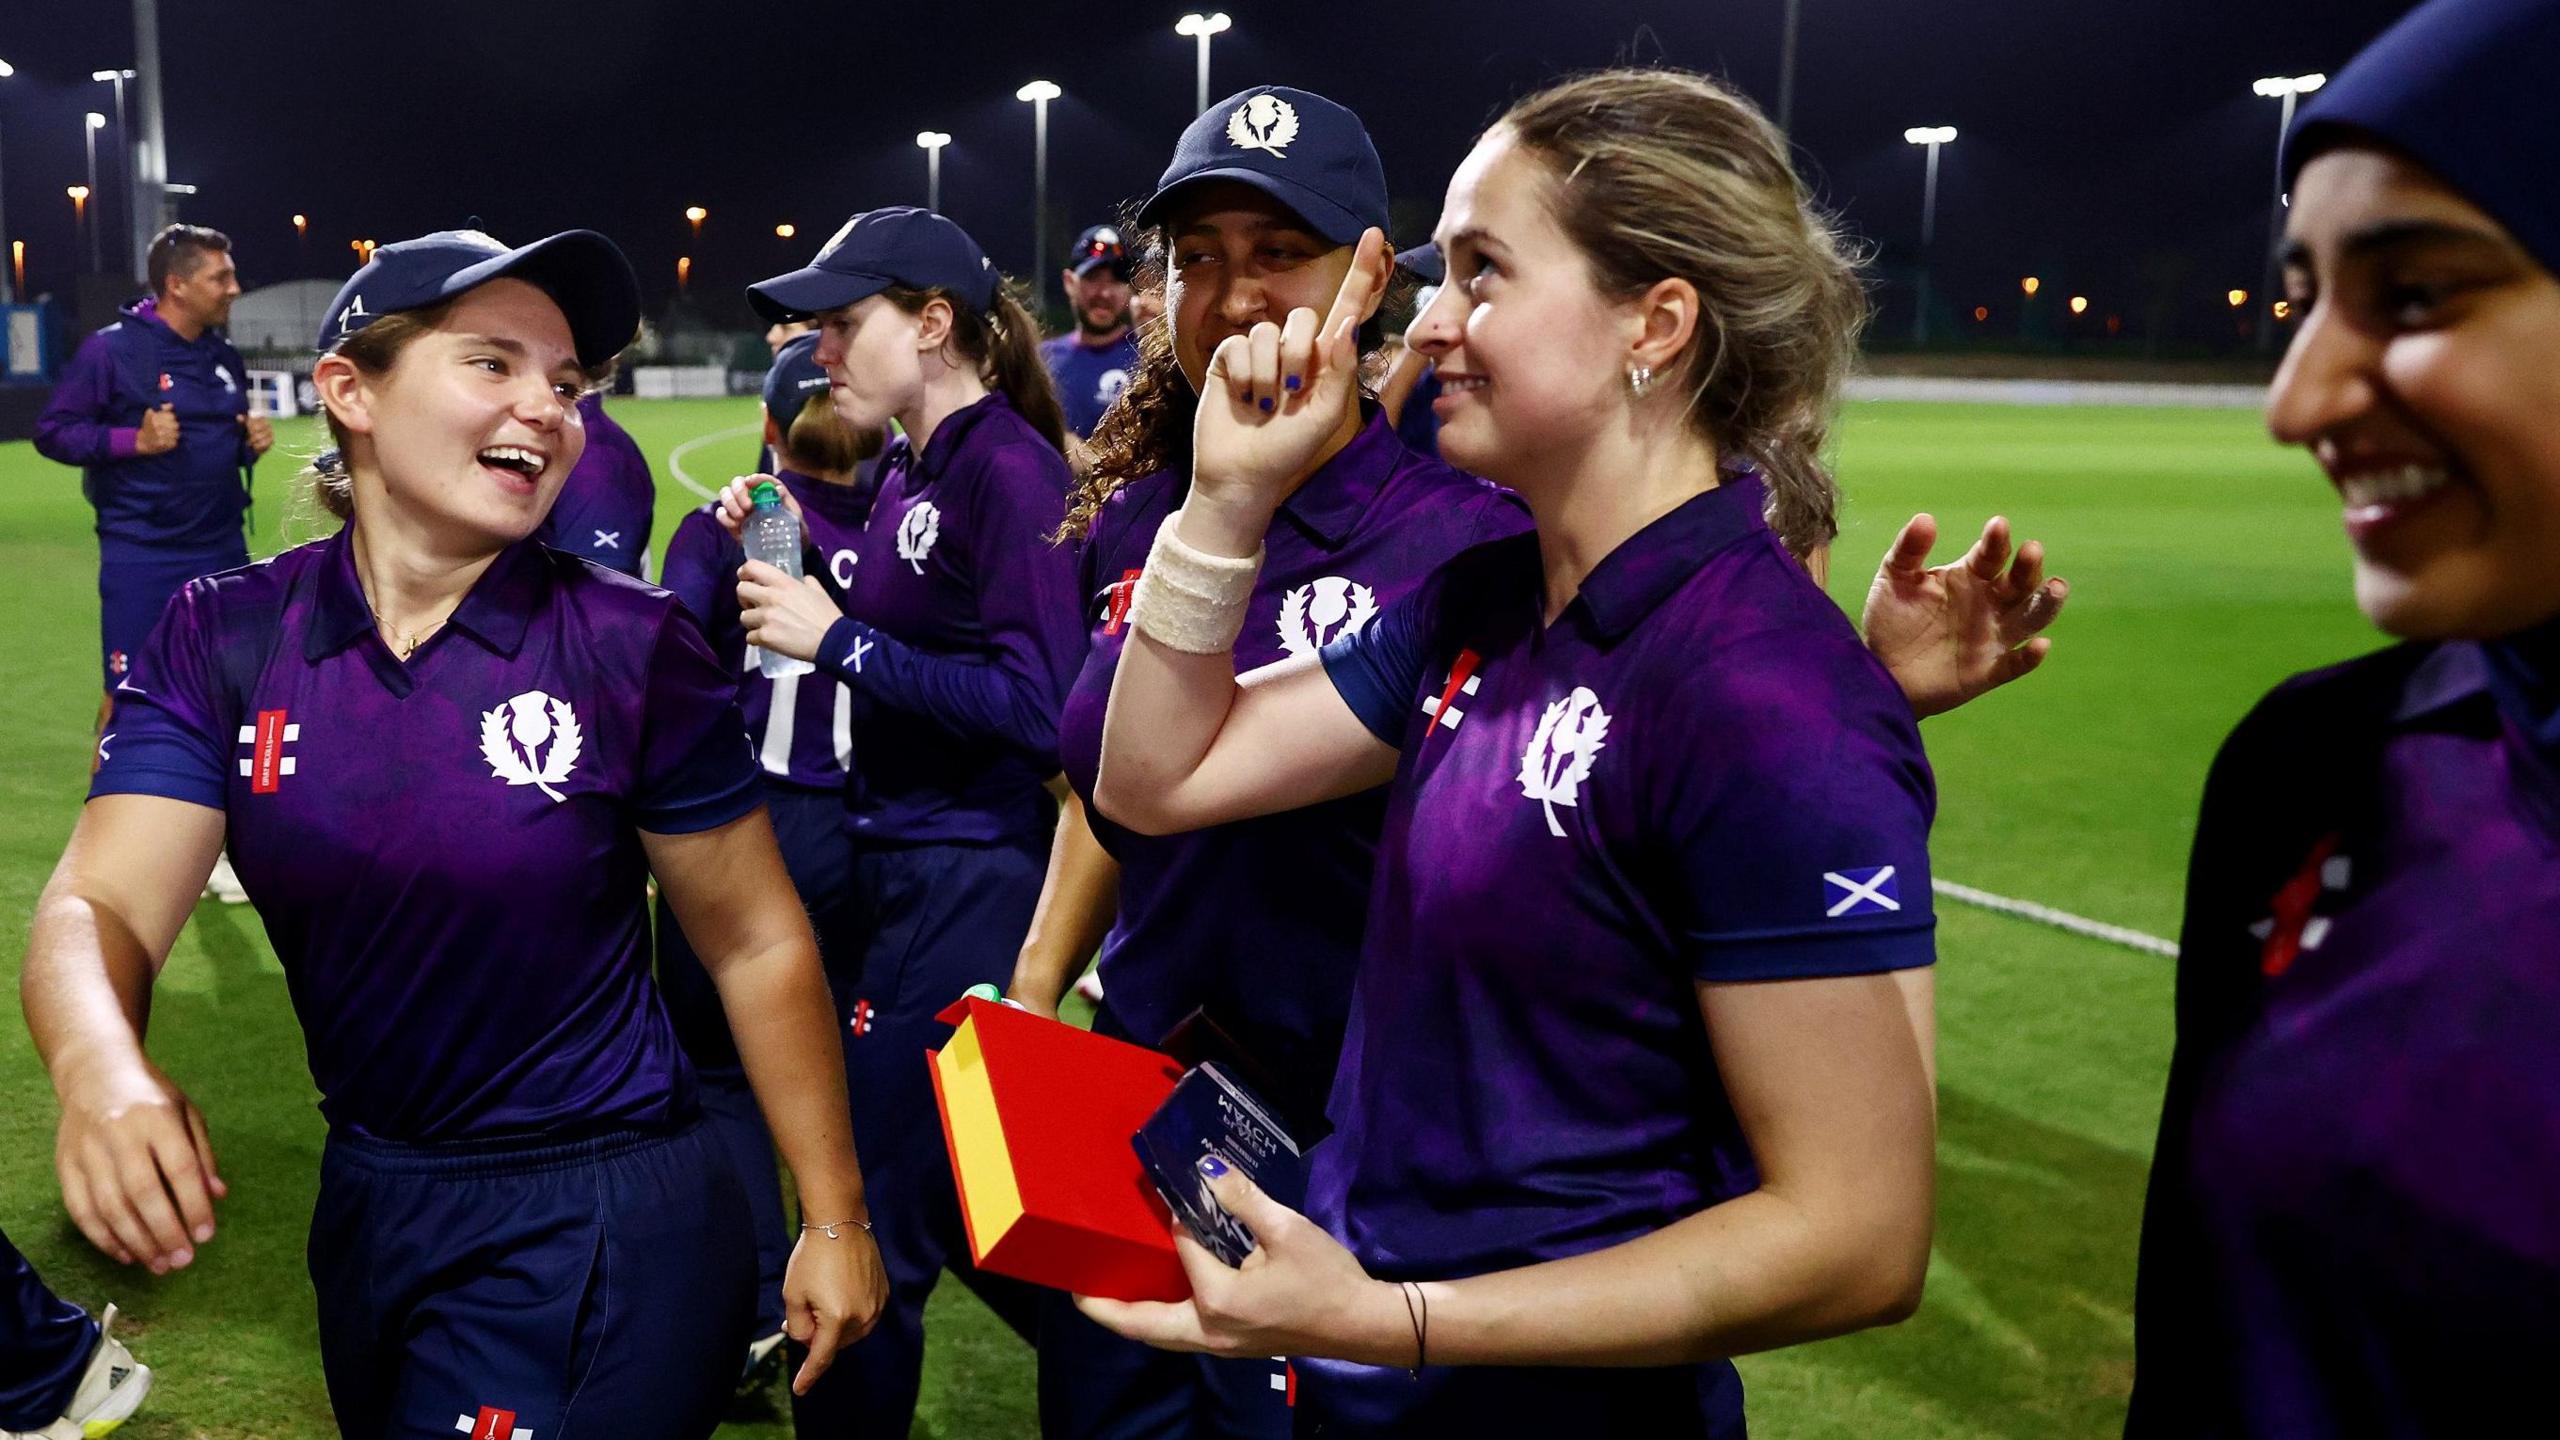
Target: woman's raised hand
1274	396
738	497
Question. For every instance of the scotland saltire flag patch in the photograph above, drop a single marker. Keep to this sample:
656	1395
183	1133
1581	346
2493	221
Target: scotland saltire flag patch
1872	891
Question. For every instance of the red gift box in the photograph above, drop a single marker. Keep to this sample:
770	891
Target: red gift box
1037	1116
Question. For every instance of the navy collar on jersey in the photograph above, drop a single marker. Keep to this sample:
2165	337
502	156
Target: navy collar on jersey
1643	571
1340	492
934	456
496	612
2453	674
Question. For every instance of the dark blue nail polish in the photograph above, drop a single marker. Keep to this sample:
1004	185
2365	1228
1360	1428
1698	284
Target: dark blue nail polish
1266	402
1292	382
1212	1166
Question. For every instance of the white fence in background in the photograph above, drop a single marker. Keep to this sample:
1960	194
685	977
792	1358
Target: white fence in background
2055	392
679	382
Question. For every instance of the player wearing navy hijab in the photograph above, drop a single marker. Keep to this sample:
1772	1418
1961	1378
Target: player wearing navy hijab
958	635
448	761
1637	1072
2351	1227
801	728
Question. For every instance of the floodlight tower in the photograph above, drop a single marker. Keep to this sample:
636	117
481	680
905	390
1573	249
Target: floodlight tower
1201	27
931	142
94	122
2286	88
124	138
1931	136
1039	93
7	293
151	143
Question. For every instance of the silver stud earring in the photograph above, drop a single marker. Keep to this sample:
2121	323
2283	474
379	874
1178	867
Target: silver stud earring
1639	378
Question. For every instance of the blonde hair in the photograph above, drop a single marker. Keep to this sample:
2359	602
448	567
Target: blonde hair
1664	174
823	441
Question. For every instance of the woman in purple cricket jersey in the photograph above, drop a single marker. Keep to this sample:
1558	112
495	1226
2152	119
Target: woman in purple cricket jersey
1637	1074
801	728
2351	1227
1256	924
448	761
958	635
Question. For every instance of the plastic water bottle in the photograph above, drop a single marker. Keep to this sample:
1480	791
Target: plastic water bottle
773	536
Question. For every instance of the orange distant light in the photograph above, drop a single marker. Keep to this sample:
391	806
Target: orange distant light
2237	298
696	214
785	230
77	192
1981	313
2079	304
2031	284
2284	309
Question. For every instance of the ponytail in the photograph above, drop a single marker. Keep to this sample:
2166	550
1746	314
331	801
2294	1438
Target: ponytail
1003	341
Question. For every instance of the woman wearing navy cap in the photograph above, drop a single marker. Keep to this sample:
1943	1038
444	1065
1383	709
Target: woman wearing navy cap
958	635
1637	1070
2351	1227
1257	921
448	761
801	728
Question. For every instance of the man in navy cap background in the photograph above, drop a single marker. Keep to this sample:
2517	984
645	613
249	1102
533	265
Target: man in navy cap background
154	409
1094	364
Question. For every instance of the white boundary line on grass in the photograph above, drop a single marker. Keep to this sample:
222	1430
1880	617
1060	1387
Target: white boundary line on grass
675	457
2058	919
2001	904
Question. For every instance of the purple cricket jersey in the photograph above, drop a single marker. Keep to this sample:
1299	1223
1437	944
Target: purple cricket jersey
185	501
1089	377
605	507
1697	773
447	854
961	636
1259	921
2352	1226
802	725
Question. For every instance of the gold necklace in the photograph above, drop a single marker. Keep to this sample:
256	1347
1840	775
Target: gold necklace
406	644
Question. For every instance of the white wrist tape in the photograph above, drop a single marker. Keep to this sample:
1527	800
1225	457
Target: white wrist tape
1189	600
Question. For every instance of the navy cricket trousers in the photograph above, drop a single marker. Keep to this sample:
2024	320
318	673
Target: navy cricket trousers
809	826
598	1287
45	1342
938	919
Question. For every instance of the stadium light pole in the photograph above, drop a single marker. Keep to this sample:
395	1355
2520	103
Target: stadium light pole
1787	66
1201	27
1931	136
8	292
89	136
1039	93
124	135
2287	88
931	142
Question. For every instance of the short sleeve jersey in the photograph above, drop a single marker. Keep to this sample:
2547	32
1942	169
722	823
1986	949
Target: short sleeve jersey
447	854
2350	1227
959	561
1696	773
802	725
1363	531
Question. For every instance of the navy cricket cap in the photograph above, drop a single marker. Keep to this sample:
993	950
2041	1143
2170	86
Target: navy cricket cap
897	245
584	274
795	377
1098	246
1298	148
2463	87
1423	263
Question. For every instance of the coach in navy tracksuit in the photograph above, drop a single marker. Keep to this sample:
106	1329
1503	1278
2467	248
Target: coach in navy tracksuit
154	409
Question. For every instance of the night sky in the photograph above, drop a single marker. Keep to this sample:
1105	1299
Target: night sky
2113	148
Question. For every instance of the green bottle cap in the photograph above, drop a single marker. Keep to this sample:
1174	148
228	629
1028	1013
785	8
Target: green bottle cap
765	493
983	991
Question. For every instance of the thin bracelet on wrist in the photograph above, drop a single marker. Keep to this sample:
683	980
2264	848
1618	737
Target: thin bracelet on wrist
830	1230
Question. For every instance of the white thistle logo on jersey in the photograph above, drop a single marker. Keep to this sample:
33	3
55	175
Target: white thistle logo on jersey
1322	611
1559	757
513	735
1265	122
917	530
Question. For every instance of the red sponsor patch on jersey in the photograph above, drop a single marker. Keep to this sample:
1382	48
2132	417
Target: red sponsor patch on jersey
494	1424
1120	594
266	763
166	383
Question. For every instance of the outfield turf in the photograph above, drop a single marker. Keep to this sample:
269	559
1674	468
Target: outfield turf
2205	565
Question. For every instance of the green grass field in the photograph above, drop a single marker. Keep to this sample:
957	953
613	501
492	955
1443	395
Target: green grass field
2206	564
